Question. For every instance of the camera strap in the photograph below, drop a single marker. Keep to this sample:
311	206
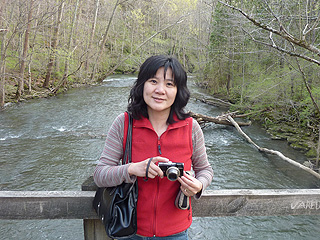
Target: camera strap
147	170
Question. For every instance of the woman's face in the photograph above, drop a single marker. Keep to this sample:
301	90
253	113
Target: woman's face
159	92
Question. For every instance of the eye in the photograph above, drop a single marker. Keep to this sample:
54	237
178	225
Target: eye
170	84
152	80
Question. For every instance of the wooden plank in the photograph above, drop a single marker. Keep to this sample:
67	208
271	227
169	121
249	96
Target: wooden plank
268	202
46	205
236	202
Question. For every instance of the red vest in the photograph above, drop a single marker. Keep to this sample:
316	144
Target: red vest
157	213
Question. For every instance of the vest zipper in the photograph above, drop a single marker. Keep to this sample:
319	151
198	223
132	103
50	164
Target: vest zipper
159	146
155	210
156	197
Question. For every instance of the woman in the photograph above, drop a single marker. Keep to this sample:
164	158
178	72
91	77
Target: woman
162	132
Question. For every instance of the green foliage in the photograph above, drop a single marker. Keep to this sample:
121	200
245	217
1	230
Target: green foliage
256	77
218	35
187	5
138	16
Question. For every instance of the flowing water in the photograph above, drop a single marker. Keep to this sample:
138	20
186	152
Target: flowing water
53	144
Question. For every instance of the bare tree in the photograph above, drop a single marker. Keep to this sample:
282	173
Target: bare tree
282	32
3	33
2	67
32	43
102	44
24	52
93	29
63	81
53	46
300	41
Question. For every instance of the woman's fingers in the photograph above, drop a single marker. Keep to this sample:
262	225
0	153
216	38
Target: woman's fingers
140	168
154	170
189	185
159	159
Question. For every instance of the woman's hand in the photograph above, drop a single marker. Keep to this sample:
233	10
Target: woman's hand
139	169
190	186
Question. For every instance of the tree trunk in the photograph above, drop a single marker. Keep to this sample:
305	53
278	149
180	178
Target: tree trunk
53	46
103	43
24	53
29	83
202	119
93	29
318	150
66	66
63	81
270	151
2	69
3	33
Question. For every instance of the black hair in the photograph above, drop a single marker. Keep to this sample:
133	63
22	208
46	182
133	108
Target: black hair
137	106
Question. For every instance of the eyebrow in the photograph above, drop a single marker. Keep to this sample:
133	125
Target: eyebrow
167	79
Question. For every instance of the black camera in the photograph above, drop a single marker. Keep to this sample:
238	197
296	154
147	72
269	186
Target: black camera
171	170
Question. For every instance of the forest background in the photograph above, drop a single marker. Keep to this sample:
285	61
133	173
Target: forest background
260	55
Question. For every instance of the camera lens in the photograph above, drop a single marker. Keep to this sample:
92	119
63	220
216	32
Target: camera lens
173	173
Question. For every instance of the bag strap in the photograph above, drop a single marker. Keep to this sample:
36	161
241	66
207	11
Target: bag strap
128	140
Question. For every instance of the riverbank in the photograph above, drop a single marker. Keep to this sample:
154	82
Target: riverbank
303	139
280	124
37	92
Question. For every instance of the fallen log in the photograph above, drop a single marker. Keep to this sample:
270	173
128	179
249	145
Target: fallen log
266	150
223	119
215	102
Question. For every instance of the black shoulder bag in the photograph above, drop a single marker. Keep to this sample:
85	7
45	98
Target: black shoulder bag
117	206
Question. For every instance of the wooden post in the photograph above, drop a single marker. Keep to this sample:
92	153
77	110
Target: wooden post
93	228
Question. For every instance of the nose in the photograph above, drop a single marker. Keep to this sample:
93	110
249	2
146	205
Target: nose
160	89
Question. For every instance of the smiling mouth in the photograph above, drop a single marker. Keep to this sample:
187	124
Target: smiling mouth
158	99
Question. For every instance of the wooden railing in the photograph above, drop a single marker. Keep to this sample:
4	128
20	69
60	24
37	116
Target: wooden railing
236	202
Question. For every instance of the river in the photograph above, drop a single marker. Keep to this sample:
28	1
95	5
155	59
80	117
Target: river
53	144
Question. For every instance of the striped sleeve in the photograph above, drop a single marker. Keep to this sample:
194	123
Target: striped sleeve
108	171
201	166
